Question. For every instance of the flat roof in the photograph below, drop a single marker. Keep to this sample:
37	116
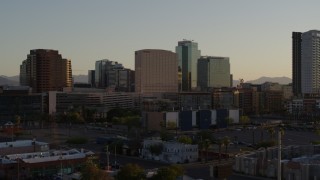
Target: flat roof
54	155
20	143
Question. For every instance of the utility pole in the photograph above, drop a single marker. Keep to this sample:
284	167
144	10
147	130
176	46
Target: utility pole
108	157
61	175
18	167
12	133
279	155
115	156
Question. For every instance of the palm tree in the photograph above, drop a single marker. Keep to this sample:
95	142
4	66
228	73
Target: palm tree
226	141
17	119
271	131
262	128
204	145
207	144
219	142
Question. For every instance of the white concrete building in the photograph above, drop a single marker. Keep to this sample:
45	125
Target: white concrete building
235	115
172	152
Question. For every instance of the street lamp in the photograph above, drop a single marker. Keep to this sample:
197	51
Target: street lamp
108	157
60	158
34	144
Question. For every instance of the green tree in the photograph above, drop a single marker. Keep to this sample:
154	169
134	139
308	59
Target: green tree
168	173
156	149
205	139
121	112
229	121
90	171
172	125
130	121
205	134
88	114
165	135
185	140
74	117
244	120
272	132
132	172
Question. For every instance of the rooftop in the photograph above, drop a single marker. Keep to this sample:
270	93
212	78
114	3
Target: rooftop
20	143
53	155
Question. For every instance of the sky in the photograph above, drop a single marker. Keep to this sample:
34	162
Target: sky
254	34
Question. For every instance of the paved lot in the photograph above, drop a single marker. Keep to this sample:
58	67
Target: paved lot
290	137
58	135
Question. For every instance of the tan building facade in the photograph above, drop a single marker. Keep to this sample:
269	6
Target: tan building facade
156	71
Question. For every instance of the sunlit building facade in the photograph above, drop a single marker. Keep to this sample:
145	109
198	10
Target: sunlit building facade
306	62
188	55
156	71
213	72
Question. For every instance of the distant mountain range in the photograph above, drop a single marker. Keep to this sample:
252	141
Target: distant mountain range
14	80
4	80
280	80
80	78
263	79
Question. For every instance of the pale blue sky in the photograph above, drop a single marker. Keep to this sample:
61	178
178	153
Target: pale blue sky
255	34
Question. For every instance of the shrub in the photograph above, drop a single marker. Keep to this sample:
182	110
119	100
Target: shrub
77	140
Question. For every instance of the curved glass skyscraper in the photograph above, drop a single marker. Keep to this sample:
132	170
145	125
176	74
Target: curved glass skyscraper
188	55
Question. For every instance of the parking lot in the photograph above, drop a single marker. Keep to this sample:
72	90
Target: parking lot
292	136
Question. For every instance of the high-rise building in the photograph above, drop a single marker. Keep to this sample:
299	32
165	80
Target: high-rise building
156	71
91	78
105	74
306	58
45	70
188	55
111	74
296	63
213	72
125	80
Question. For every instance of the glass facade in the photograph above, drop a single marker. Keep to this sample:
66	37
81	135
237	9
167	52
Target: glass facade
188	55
110	74
213	72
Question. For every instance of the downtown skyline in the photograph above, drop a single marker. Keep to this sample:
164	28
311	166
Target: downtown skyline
255	35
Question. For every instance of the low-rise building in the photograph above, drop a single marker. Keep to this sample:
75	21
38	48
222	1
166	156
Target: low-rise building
22	146
30	159
171	151
298	162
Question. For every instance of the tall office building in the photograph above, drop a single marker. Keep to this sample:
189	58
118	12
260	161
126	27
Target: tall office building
213	72
125	80
45	70
111	74
306	58
188	55
156	71
296	63
91	78
105	74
